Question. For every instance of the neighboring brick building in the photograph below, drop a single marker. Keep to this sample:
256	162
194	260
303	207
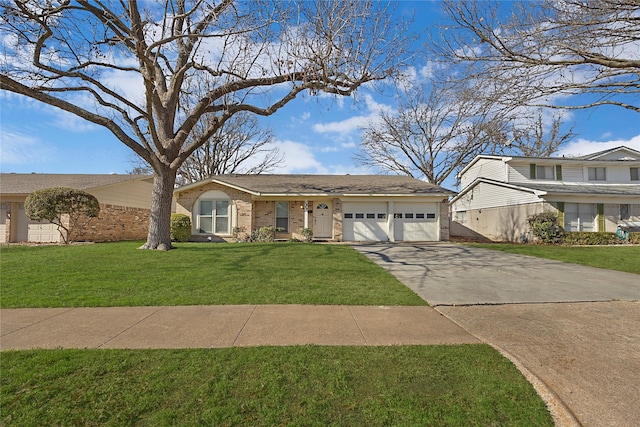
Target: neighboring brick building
334	207
125	202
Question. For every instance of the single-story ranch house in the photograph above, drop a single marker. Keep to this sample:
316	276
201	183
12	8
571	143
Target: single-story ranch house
591	193
124	206
335	207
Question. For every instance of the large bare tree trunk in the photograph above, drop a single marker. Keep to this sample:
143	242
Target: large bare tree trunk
195	64
159	236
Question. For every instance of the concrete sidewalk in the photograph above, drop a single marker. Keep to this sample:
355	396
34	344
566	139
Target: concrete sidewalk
587	354
225	326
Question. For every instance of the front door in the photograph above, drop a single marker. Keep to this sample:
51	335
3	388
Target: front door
322	221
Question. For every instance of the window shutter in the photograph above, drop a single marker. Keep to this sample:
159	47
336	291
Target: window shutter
532	171
600	217
561	214
558	172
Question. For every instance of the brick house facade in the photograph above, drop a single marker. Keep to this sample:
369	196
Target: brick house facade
125	202
230	207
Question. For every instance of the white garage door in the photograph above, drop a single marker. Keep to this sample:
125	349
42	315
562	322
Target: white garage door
43	232
4	207
364	222
34	231
416	222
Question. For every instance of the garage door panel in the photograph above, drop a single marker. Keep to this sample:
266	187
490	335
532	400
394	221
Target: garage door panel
43	233
365	222
415	222
367	231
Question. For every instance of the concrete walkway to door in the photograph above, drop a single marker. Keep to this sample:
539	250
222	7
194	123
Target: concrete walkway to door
573	330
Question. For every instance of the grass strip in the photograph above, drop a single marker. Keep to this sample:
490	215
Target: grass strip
117	274
619	258
471	385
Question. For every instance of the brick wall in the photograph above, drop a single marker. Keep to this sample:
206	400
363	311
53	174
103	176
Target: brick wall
444	221
337	220
116	223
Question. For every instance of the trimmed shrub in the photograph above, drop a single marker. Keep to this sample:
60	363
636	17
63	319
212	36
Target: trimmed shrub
180	227
307	233
545	227
634	238
590	238
52	204
263	234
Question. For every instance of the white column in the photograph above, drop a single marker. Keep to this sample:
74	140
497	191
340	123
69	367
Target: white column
306	214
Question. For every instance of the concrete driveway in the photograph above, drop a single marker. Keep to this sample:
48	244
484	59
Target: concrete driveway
448	274
573	331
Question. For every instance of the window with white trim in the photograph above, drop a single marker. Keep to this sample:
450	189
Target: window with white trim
545	172
213	213
282	217
634	175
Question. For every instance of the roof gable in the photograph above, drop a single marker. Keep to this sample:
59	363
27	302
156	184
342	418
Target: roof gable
617	153
339	185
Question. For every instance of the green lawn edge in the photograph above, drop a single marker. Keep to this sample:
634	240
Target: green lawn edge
118	274
263	386
617	258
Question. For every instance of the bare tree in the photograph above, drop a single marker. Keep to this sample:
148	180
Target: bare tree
241	145
250	56
435	131
543	52
533	137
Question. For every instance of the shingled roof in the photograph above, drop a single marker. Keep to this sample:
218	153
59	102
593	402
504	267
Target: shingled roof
19	184
335	185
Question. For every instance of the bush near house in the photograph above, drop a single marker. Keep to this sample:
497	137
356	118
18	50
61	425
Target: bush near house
545	227
263	235
180	227
68	208
590	238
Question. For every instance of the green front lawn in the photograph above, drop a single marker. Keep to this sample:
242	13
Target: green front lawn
621	258
118	274
470	385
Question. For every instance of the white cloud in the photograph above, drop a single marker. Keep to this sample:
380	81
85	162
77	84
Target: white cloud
298	158
344	126
353	124
70	122
17	148
582	146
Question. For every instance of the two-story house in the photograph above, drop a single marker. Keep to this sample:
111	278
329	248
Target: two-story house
596	192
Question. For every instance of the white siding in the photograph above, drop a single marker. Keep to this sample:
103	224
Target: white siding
486	195
484	168
518	172
619	174
136	194
572	173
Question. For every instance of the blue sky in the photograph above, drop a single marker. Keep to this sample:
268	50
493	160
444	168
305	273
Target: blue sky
316	135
